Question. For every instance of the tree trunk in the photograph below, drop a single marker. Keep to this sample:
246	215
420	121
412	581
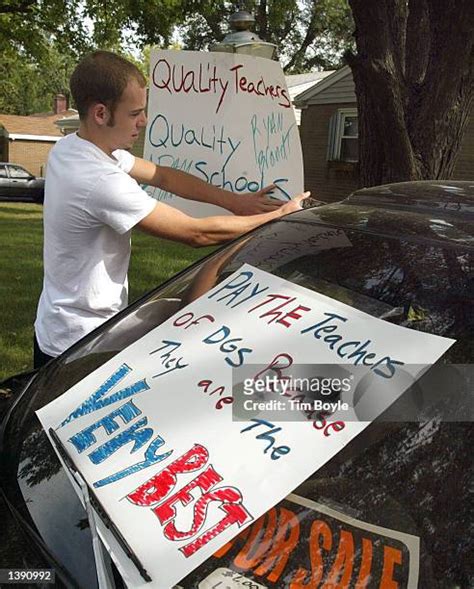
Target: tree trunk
413	74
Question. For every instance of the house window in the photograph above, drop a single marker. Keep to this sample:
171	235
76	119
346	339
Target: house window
343	142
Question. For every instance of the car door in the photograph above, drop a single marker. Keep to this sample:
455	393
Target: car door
4	181
20	183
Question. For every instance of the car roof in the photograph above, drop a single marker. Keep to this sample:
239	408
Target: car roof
440	211
12	164
448	196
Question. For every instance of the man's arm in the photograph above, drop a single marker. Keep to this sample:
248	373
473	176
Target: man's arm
169	223
190	187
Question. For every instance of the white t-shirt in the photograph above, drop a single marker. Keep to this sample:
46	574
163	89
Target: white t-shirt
90	207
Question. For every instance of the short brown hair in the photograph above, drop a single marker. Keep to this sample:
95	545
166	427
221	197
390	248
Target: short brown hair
102	77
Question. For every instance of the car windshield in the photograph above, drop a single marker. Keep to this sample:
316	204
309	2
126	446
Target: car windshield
385	277
388	277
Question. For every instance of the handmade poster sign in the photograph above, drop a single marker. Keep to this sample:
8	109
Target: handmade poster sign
225	118
154	435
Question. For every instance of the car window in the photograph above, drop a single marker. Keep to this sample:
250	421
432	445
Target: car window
3	172
17	172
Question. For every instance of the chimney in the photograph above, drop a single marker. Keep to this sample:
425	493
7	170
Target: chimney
60	104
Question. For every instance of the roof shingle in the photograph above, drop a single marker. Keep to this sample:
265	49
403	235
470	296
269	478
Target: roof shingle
42	124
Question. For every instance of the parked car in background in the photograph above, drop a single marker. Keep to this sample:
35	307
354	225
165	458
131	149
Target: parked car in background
393	508
17	184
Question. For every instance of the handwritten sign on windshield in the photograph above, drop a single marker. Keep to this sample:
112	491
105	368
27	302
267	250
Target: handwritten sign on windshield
155	434
227	119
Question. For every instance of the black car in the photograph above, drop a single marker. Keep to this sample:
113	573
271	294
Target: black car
393	509
17	184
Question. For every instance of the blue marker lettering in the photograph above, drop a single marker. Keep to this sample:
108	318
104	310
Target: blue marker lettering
86	438
234	283
97	401
132	434
150	458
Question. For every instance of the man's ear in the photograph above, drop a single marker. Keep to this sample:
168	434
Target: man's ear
100	114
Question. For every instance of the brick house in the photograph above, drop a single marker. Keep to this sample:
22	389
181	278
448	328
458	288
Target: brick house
70	124
27	140
329	138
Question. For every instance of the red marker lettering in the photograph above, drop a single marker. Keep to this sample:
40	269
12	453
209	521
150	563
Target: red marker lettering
158	487
235	514
204	481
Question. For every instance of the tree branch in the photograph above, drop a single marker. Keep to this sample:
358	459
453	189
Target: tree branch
23	7
262	20
381	92
417	42
451	21
447	91
309	38
397	27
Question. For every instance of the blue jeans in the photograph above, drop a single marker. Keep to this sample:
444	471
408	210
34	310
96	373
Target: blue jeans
39	357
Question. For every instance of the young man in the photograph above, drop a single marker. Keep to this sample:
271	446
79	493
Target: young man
93	200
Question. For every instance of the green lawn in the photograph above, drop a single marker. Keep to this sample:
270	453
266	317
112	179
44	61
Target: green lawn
21	275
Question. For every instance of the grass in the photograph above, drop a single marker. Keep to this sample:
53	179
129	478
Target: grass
21	275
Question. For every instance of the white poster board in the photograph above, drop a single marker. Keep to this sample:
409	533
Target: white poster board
152	430
225	118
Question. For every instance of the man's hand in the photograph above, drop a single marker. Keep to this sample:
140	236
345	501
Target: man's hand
294	204
254	203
